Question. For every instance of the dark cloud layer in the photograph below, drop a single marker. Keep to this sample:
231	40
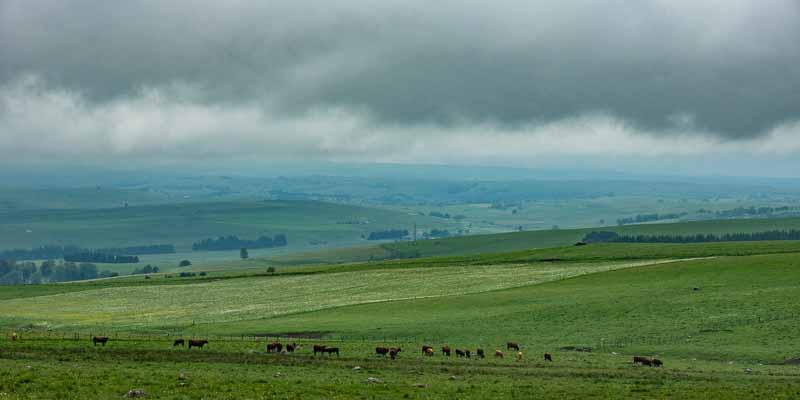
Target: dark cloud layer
725	67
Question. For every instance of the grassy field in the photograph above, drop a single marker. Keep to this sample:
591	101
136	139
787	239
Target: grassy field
721	316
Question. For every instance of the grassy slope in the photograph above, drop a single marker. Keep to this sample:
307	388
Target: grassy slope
745	309
183	224
508	242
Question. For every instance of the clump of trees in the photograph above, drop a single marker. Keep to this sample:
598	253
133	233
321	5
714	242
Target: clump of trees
232	242
27	272
438	214
147	269
613	237
388	234
184	263
436	234
94	256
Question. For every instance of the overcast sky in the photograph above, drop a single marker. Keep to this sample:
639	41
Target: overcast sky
709	85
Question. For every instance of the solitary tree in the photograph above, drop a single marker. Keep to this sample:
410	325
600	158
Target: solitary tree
243	253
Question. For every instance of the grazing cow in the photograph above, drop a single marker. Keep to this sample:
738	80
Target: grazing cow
480	353
498	354
657	363
274	347
178	342
519	356
460	353
512	346
429	352
331	350
14	336
319	348
469	355
100	339
642	360
393	352
425	348
197	343
446	350
381	351
548	357
290	347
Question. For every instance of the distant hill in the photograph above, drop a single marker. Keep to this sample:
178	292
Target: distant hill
306	224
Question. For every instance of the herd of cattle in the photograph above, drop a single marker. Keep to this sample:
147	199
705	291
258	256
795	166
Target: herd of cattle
392	352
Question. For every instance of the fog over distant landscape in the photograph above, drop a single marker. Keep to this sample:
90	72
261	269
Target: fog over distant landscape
698	87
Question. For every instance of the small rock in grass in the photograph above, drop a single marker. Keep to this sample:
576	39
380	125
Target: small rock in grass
748	370
356	368
134	393
420	385
374	380
453	377
181	376
278	374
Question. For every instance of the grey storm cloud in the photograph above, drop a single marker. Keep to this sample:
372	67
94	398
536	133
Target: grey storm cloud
724	67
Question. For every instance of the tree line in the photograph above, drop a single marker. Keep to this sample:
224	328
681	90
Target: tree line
27	272
98	257
56	251
640	218
748	211
613	237
232	242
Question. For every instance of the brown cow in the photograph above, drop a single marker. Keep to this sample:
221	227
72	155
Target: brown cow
498	354
425	348
100	339
393	352
179	342
319	348
331	350
642	360
290	347
274	347
460	353
548	357
446	350
197	343
382	351
468	354
480	353
14	336
657	362
429	352
512	346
